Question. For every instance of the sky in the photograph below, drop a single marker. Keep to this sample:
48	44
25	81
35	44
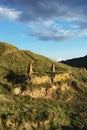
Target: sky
53	28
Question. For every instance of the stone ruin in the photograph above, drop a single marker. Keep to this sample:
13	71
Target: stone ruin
53	67
30	70
52	70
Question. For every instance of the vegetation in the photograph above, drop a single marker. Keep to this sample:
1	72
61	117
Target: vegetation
66	109
77	62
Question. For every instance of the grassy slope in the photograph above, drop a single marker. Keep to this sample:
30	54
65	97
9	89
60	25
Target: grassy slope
25	113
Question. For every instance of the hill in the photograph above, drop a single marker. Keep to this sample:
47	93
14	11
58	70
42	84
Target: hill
49	101
77	62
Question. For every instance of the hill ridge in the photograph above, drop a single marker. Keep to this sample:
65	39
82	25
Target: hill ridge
80	62
7	48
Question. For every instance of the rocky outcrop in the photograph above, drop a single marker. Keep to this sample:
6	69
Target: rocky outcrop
41	92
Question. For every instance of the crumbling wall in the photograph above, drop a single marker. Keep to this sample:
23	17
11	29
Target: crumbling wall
40	79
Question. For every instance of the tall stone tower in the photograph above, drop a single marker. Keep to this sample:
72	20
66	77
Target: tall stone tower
53	67
30	70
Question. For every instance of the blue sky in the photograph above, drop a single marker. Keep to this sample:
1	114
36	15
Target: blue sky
54	28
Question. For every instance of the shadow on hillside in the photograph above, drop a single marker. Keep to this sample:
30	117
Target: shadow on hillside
75	128
75	63
15	78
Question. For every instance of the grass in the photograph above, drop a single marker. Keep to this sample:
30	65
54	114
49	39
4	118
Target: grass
19	112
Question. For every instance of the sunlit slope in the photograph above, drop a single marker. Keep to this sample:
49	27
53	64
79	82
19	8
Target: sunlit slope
38	105
11	58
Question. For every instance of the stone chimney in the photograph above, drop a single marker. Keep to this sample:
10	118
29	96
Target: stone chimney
30	71
53	67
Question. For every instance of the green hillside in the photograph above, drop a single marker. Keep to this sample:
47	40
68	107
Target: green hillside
40	104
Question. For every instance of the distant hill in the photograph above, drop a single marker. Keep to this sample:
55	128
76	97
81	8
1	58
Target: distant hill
49	101
77	62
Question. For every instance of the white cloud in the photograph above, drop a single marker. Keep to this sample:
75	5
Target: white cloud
9	13
75	26
56	20
83	33
60	59
58	35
